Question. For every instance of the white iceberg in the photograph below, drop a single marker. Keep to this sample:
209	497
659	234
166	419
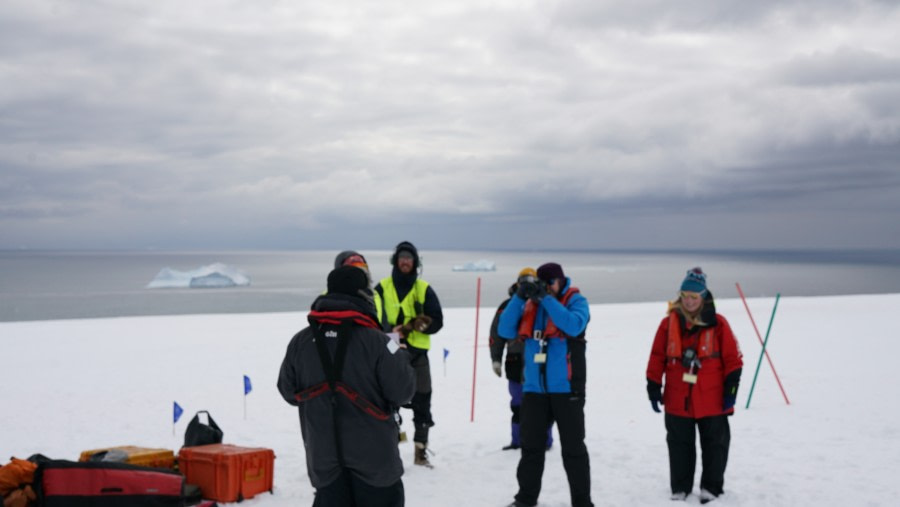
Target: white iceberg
482	265
216	275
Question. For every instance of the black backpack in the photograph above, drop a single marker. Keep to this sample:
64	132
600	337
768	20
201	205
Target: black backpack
198	433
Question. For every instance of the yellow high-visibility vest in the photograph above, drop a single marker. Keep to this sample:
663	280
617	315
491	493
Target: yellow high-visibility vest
390	308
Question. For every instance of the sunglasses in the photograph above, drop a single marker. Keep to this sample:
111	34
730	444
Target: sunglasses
356	261
690	295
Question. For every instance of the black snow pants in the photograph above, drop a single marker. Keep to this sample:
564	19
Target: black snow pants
421	402
349	491
715	438
537	412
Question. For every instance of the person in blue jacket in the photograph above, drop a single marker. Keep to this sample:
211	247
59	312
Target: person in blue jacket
551	316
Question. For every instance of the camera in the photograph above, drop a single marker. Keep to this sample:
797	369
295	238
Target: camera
530	286
689	358
528	289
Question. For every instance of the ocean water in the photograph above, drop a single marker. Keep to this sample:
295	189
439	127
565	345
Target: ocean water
42	285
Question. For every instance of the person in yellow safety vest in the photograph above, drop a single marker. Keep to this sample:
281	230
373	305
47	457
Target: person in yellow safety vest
407	305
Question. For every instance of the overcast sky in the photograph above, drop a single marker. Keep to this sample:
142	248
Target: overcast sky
197	124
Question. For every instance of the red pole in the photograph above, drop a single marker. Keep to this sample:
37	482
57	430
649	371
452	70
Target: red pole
475	353
761	342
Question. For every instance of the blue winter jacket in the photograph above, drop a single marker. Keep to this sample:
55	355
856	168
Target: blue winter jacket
564	370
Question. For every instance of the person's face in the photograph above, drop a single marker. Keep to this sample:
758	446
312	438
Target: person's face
691	301
554	286
405	262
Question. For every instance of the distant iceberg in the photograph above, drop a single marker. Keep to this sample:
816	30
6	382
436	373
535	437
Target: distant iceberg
214	276
481	265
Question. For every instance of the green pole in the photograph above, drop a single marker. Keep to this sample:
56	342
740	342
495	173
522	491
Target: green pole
765	342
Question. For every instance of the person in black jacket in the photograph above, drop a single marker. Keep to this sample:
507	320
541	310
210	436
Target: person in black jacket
347	377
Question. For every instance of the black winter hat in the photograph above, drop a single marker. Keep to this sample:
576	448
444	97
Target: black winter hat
405	246
349	280
550	271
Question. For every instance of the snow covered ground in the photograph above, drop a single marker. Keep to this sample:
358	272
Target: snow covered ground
74	385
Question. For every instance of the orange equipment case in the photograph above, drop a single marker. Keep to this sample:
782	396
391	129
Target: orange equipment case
141	456
228	473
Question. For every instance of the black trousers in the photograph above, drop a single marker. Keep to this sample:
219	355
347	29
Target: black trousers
537	412
421	401
348	491
715	439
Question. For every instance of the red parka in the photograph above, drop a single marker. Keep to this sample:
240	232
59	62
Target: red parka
719	355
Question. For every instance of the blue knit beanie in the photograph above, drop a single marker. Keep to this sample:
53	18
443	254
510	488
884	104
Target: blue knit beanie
695	281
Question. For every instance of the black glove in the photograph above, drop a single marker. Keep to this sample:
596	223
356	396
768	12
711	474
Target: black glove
654	392
728	401
730	388
526	290
539	293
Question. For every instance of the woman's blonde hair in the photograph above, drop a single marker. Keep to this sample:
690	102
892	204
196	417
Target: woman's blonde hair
693	320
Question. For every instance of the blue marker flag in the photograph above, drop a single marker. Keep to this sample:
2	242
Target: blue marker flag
446	353
247	386
176	412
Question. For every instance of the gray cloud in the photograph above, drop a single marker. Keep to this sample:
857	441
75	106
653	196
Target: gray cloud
844	66
472	124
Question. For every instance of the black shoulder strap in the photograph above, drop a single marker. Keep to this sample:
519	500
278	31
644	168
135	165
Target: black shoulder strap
333	367
333	370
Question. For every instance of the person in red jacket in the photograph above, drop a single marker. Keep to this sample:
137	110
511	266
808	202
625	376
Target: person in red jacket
696	352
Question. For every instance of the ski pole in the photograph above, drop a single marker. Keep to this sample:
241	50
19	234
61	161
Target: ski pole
761	341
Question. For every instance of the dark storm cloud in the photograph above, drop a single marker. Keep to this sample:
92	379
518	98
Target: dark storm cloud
278	124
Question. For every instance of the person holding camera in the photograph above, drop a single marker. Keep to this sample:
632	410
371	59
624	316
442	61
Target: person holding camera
407	305
513	364
699	356
551	316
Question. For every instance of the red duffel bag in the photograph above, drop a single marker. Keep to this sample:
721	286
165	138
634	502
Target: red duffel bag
60	483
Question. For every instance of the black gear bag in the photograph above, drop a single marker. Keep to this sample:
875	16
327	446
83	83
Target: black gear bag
198	433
